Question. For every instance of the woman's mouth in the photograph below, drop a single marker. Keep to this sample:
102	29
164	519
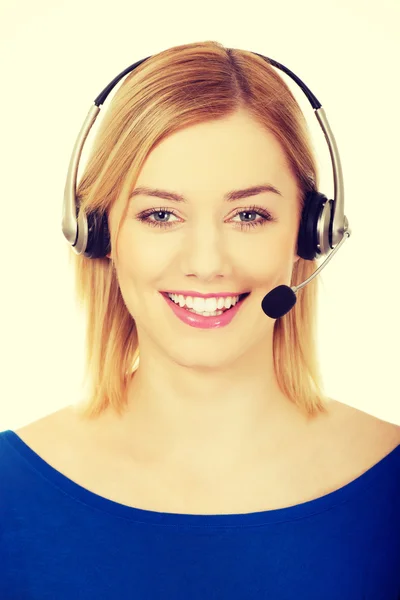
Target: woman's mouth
208	313
218	318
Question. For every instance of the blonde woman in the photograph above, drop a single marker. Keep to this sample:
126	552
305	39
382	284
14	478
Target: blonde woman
205	460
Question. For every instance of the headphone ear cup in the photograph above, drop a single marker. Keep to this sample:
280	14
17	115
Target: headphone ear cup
106	241
307	241
98	244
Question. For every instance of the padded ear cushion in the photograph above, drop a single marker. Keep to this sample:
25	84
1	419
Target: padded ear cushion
98	244
308	239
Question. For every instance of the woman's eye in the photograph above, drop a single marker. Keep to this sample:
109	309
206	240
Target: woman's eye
250	217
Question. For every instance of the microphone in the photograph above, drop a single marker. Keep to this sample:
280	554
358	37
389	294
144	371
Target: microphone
281	299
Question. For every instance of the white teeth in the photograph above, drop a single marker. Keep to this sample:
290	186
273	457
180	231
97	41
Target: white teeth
201	305
220	303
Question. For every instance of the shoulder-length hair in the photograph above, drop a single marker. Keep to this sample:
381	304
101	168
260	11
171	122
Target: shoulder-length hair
176	88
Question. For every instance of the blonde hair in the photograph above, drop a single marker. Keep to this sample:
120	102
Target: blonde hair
176	88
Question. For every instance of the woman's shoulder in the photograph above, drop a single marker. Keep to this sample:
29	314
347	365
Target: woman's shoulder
363	434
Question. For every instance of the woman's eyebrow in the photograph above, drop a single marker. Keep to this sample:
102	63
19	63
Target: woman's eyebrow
228	197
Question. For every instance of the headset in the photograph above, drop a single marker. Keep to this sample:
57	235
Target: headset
323	225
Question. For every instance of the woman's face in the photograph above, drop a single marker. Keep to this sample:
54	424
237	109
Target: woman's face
204	244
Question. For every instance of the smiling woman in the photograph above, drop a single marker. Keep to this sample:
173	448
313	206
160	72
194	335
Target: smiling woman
206	459
215	136
207	232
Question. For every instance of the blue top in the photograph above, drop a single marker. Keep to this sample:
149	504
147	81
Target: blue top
60	541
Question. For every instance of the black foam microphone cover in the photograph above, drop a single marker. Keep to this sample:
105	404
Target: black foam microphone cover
278	301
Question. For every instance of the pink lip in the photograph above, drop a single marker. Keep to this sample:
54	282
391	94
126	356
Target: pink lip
204	322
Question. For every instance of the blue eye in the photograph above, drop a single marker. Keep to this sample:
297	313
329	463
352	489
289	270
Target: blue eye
264	214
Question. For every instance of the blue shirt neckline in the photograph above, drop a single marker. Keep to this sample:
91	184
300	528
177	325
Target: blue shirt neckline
299	511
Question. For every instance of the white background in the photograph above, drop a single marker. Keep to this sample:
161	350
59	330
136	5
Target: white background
57	56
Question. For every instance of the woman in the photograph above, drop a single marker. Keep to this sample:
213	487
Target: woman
211	464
